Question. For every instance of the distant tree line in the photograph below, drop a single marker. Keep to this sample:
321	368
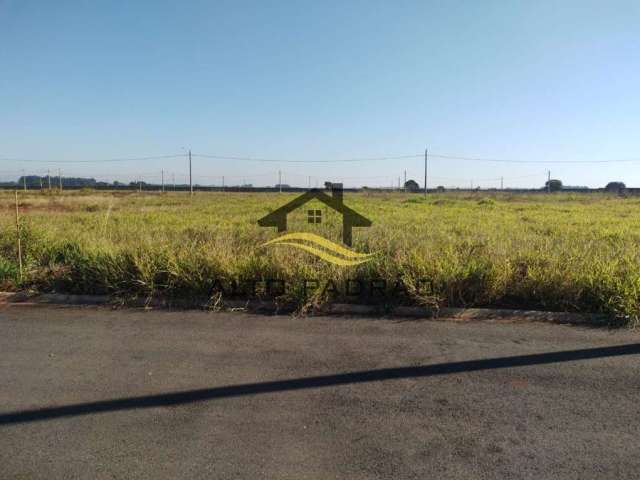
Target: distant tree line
37	181
556	185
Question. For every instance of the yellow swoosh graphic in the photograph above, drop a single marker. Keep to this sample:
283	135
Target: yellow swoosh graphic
324	255
352	258
323	242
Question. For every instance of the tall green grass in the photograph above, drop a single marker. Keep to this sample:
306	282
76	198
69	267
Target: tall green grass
565	252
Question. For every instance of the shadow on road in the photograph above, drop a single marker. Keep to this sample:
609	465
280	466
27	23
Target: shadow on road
191	396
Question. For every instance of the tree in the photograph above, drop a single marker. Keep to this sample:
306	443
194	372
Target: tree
553	185
411	186
440	189
616	187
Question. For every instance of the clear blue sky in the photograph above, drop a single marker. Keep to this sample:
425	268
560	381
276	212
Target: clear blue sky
543	80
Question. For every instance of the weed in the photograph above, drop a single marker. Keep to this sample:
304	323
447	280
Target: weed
561	252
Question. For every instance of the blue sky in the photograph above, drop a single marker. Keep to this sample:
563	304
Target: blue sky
308	80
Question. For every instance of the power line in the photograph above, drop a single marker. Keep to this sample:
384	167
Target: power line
400	157
248	175
275	160
343	160
105	160
503	160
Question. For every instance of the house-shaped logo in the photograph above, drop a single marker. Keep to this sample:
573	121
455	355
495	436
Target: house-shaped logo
335	201
350	218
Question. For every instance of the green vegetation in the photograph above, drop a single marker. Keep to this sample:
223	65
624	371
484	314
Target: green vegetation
565	252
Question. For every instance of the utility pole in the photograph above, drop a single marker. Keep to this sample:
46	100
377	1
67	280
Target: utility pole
280	180
24	180
425	173
405	181
163	180
190	181
18	235
140	184
60	178
501	183
223	183
548	181
173	180
49	178
309	181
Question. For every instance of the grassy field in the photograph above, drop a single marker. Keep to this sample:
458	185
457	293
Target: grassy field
565	252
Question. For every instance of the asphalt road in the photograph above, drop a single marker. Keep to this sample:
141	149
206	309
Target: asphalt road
95	393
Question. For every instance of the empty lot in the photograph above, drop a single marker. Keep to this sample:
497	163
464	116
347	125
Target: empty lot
560	252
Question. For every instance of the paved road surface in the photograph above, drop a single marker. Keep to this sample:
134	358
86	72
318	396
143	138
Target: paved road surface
95	393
